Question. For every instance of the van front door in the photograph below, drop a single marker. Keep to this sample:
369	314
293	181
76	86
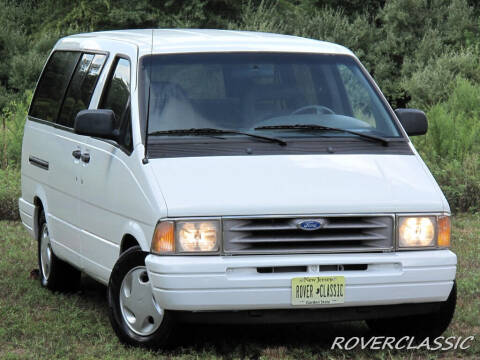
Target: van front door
107	182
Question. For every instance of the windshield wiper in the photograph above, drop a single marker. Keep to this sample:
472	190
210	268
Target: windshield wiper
207	131
384	141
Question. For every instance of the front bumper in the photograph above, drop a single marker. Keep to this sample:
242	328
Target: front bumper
225	283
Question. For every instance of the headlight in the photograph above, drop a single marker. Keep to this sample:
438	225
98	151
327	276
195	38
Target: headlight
197	236
186	237
416	231
423	231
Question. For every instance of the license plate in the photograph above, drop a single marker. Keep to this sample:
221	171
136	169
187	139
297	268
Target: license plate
318	290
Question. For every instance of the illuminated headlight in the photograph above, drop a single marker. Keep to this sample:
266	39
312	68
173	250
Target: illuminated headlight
197	236
201	236
423	231
416	231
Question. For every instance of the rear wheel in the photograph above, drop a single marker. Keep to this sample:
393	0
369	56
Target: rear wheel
420	326
135	315
55	274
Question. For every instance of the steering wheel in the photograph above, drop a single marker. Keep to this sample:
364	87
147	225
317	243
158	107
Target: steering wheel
319	110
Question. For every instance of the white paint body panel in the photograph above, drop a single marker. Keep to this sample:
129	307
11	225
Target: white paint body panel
233	283
167	41
91	207
296	184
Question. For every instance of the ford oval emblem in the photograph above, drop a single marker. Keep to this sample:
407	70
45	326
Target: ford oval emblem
310	225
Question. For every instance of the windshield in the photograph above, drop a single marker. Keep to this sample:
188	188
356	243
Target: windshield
261	93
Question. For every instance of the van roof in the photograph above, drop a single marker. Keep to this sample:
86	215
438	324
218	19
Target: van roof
203	40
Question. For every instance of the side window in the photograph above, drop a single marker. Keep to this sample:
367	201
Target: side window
81	87
52	85
116	97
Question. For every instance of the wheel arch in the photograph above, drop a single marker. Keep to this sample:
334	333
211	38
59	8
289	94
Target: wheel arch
40	204
133	234
128	241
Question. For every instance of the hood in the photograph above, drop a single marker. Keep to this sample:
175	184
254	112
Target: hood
296	184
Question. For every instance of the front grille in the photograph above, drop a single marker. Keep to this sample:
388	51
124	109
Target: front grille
279	235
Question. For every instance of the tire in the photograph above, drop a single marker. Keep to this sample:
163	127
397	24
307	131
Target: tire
429	325
55	274
134	314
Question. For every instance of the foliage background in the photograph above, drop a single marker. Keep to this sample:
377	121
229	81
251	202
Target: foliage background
422	53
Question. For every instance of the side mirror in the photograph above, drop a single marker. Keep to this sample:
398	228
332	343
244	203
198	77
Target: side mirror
97	123
413	121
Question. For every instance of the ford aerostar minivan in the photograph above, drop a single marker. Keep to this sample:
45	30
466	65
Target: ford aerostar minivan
228	176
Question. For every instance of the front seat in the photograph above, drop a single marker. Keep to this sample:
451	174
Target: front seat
170	108
263	101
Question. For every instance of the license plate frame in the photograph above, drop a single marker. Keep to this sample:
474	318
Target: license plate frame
318	290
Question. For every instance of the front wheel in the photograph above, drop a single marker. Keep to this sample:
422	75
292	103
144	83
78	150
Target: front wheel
420	326
135	315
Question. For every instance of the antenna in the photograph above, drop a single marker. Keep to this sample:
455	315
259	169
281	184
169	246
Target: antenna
145	157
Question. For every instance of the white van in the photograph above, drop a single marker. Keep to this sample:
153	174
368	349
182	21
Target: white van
228	176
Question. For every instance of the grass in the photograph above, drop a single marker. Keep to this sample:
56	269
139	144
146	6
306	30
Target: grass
9	193
38	324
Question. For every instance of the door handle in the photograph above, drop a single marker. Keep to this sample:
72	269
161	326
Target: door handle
85	157
76	154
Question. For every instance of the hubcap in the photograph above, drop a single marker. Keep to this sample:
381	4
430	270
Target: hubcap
139	309
45	252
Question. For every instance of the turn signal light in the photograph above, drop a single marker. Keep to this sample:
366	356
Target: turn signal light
164	238
444	230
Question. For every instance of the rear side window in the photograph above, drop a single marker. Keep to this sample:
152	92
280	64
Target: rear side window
117	98
80	90
53	83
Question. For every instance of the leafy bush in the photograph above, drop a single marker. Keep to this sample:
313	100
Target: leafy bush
393	38
454	129
26	66
356	33
12	121
9	193
451	147
416	31
264	17
434	81
460	182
